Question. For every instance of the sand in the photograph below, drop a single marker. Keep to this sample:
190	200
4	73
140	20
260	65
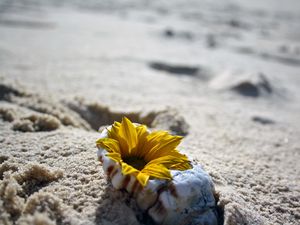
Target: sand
223	74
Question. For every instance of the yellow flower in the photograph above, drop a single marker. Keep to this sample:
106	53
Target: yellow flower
142	154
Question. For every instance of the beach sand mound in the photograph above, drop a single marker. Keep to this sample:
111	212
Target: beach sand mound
78	191
50	175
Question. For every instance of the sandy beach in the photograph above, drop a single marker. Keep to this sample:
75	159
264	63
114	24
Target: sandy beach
223	74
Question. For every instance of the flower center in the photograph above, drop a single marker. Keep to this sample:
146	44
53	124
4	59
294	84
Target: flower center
136	162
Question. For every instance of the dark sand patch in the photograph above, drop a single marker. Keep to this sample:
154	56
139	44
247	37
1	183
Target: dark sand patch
252	85
253	88
28	24
175	69
262	120
172	33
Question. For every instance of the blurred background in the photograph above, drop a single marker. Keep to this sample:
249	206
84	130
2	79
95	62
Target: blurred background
121	51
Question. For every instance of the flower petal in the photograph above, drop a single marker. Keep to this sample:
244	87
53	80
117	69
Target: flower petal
114	156
127	131
157	171
127	169
109	144
129	142
181	166
143	178
171	161
114	134
166	145
114	131
142	134
152	140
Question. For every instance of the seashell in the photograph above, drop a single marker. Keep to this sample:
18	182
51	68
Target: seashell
187	199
